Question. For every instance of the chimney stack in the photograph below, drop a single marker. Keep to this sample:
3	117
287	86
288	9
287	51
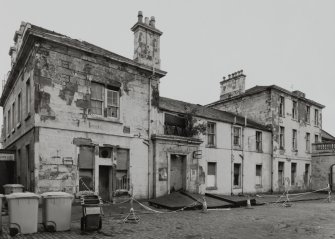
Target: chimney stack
147	42
233	85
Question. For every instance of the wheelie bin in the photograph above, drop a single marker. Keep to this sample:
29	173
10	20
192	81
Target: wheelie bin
56	213
23	212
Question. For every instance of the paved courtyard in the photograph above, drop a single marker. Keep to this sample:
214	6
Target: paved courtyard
312	219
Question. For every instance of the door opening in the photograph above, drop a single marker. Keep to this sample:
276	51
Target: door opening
177	172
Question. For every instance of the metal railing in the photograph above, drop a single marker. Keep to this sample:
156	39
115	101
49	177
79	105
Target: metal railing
122	183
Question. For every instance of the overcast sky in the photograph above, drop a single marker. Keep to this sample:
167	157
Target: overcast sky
287	43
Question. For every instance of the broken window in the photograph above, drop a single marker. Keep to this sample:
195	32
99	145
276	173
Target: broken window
237	136
258	141
293	172
316	117
211	175
282	137
258	175
104	101
294	110
19	105
237	174
174	125
308	114
28	96
282	106
294	140
211	134
308	142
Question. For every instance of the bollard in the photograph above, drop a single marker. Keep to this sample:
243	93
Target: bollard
204	205
248	204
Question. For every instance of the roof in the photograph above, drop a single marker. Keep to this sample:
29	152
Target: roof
33	31
258	89
327	136
200	111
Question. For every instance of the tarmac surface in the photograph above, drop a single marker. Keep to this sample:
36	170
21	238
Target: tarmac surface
304	219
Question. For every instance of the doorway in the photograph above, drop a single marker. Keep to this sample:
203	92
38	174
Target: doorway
104	184
177	172
281	175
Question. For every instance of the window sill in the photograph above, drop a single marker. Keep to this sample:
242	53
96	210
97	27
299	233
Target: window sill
259	186
13	130
236	187
8	135
210	146
211	188
235	147
27	117
18	125
101	118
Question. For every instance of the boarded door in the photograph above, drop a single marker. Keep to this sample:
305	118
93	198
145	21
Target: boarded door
177	173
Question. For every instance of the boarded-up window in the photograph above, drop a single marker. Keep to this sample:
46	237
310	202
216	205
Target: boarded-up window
86	156
97	98
211	174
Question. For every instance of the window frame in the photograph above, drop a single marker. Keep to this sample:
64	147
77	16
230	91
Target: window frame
316	117
28	97
281	106
211	134
282	137
308	114
259	141
237	136
13	116
212	187
308	142
103	100
260	176
294	109
294	140
19	108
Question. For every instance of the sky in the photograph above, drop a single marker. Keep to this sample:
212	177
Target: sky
287	43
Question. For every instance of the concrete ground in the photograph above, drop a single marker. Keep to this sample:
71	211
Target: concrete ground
308	219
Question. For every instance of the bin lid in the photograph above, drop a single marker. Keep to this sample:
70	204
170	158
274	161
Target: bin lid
56	195
13	186
22	195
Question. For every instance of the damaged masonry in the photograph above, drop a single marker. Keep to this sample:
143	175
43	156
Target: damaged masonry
78	117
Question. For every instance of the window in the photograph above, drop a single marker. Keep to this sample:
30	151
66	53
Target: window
282	106
19	105
237	174
28	96
294	140
259	175
306	174
211	175
294	110
316	117
308	114
258	141
237	136
308	142
4	126
316	138
293	172
210	134
13	115
282	137
9	121
281	174
104	101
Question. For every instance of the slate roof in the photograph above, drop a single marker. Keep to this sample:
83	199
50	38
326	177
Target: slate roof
327	136
258	89
35	31
200	111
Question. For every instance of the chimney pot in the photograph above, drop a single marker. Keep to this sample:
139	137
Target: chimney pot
140	16
146	20
152	21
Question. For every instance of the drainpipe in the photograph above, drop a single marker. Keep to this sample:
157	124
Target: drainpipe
271	161
149	132
242	144
231	159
